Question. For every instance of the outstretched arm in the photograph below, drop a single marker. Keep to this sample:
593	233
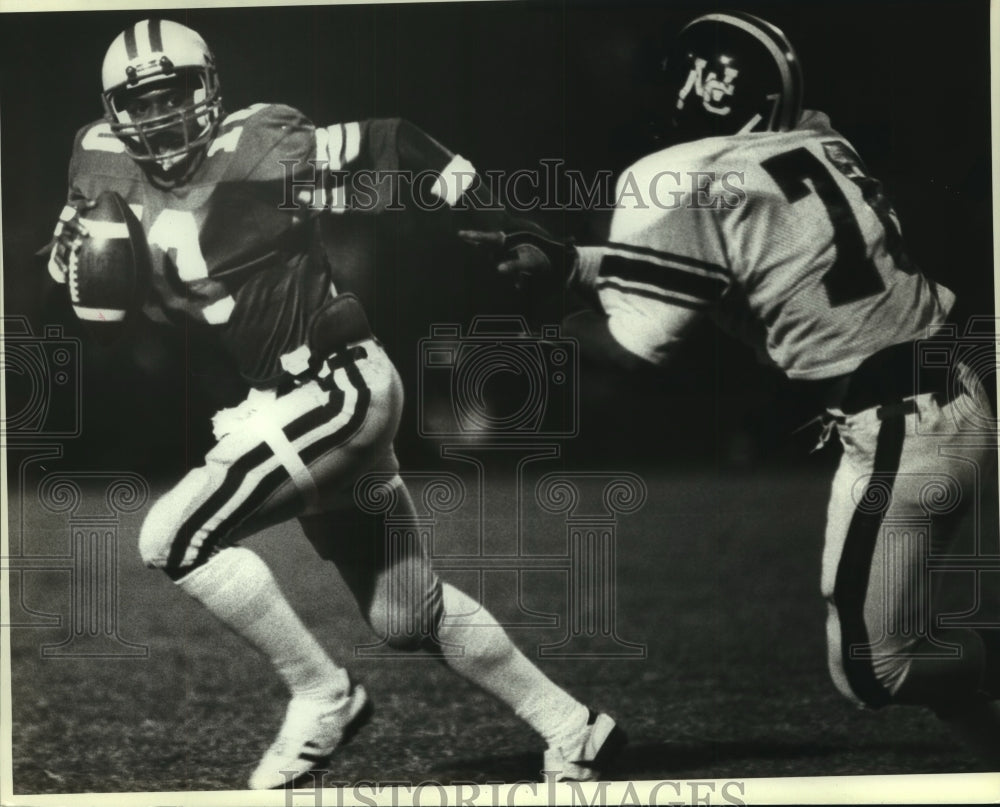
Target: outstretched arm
592	331
386	163
643	303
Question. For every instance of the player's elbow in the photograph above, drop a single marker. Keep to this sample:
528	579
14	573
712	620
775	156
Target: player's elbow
592	332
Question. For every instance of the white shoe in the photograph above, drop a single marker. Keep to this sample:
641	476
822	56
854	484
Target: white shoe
585	756
311	732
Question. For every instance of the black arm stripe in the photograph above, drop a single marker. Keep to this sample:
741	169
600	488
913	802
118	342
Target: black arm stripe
650	294
672	257
668	278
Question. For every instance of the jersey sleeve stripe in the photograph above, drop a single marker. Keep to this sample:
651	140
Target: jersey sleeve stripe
671	257
323	146
454	180
662	276
653	294
331	141
342	144
352	143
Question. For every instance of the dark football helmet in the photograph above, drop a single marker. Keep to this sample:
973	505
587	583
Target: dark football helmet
729	73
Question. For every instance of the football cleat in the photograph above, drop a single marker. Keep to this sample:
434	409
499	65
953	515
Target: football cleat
584	758
312	731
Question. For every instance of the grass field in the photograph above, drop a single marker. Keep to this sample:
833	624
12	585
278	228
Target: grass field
717	576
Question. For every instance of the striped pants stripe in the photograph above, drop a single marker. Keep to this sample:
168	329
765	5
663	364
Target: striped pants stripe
278	458
908	474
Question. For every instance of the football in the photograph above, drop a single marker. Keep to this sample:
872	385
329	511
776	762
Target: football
109	275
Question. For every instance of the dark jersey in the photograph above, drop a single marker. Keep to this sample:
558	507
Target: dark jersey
234	247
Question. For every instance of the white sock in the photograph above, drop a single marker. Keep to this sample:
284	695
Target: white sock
239	589
492	661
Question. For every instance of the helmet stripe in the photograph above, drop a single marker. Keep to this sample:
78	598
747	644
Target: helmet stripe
142	37
781	51
130	47
155	37
790	58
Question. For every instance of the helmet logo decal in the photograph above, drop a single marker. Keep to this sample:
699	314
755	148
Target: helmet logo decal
710	88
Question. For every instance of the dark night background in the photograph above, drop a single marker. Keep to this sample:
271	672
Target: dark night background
506	85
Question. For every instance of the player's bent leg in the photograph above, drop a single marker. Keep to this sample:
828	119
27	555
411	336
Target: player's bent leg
580	742
859	494
882	645
961	685
275	457
237	587
358	440
278	457
392	578
386	569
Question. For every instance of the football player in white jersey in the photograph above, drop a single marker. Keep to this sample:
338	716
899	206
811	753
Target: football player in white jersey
784	239
230	256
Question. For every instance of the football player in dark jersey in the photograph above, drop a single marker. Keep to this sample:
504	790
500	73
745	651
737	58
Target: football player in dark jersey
231	254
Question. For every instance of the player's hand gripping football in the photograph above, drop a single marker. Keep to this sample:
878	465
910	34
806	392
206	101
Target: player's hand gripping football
68	238
523	254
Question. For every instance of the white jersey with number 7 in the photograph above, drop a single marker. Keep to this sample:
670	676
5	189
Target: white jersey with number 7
781	236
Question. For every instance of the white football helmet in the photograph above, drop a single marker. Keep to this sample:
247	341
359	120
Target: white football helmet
155	52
